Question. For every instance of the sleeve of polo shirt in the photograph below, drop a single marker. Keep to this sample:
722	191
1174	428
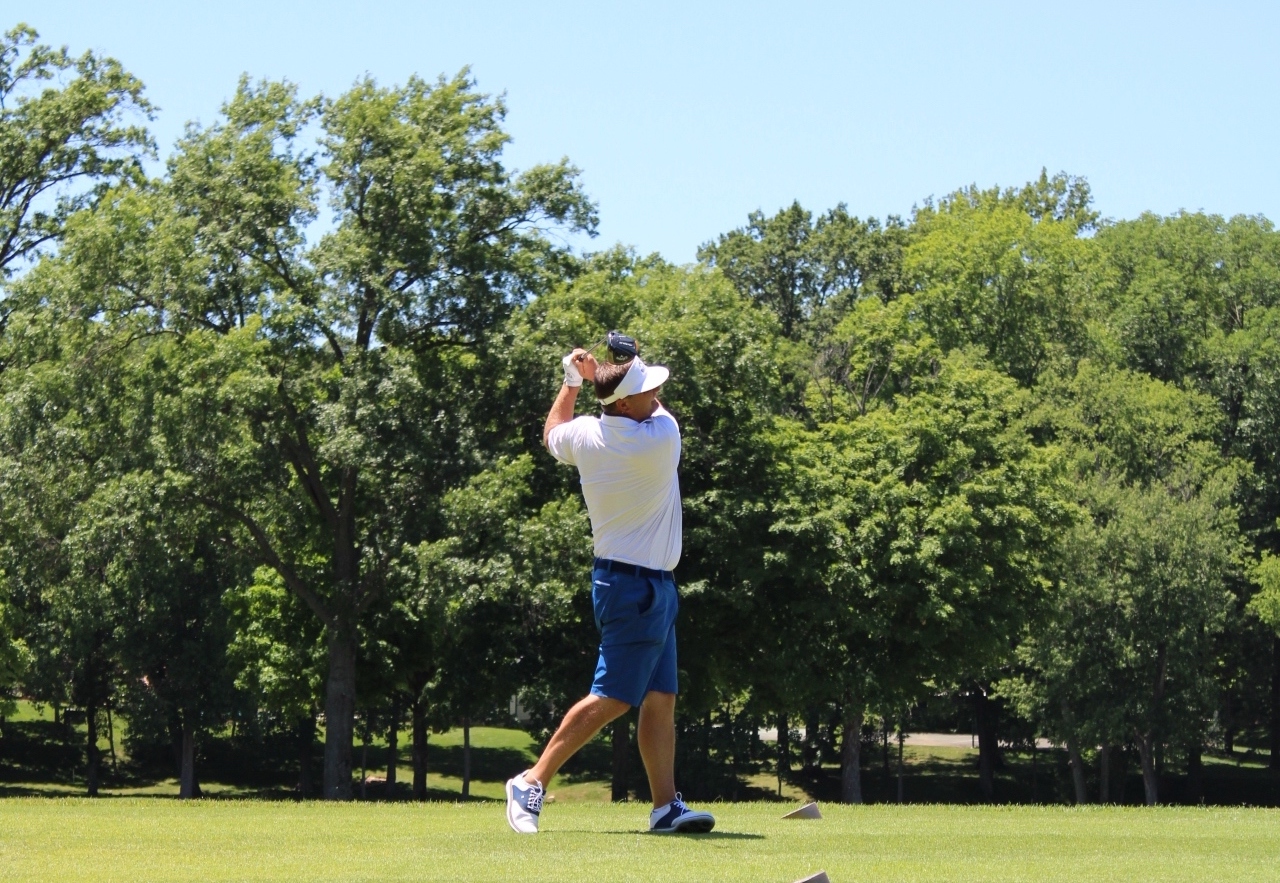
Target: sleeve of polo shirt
560	442
664	418
667	428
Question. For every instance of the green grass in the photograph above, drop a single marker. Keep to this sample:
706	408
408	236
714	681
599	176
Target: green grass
147	840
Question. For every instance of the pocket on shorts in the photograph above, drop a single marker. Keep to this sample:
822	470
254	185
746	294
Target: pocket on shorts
617	597
646	605
627	609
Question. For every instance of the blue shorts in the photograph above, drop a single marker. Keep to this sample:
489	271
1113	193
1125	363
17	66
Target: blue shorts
636	616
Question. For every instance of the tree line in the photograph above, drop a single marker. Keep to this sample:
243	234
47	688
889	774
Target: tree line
270	455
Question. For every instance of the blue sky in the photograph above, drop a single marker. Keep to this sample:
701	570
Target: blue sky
684	117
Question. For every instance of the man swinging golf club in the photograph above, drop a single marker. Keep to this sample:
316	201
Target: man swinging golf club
627	461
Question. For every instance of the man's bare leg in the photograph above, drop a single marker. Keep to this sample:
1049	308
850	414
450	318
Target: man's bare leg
656	735
578	728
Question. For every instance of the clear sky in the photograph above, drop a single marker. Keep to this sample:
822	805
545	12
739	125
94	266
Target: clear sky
685	116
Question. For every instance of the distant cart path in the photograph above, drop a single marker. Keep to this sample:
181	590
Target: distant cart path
920	740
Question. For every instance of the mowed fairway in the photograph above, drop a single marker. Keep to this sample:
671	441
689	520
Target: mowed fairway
138	840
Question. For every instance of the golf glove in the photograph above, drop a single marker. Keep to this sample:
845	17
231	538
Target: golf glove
572	376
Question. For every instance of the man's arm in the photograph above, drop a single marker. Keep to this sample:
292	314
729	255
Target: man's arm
562	407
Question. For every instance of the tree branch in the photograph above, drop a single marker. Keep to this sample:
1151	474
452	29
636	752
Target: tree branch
270	558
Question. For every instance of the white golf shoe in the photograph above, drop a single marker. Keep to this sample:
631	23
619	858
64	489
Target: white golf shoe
524	804
676	818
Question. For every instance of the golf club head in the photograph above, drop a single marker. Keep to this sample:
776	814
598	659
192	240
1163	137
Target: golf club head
622	348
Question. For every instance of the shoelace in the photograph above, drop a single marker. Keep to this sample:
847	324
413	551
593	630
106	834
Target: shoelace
533	802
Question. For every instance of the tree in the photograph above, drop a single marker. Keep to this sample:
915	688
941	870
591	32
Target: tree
14	656
798	267
64	441
502	585
64	134
174	648
299	408
295	397
1174	286
1006	273
1143	584
917	535
277	652
58	144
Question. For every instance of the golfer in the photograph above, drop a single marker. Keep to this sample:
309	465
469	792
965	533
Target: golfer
627	461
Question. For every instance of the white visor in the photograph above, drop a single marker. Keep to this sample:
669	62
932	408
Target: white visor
639	378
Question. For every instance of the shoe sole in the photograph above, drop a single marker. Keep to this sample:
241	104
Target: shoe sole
693	826
696	826
511	821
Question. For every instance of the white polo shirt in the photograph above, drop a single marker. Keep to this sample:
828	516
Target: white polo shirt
629	481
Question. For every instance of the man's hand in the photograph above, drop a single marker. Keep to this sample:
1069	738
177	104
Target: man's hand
586	364
562	408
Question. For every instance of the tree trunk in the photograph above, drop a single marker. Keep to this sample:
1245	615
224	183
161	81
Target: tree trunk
1077	771
1035	770
1147	754
393	747
811	756
1119	774
419	750
111	741
884	746
188	788
621	752
466	758
306	738
1195	773
94	771
339	716
902	738
851	754
1104	774
989	759
1275	704
364	767
784	749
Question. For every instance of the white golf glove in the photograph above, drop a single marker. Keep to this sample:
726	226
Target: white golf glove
572	376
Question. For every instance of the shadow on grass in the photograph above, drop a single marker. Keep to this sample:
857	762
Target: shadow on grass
40	751
403	793
710	835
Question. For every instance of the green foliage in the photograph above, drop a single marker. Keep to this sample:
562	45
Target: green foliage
1143	591
1125	649
1174	285
14	655
1129	426
873	355
990	270
1266	603
276	648
1246	382
798	268
917	533
64	132
498	592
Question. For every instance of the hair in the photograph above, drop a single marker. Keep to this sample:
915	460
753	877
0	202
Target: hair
608	376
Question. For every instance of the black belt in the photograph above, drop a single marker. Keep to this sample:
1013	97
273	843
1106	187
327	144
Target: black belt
633	569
